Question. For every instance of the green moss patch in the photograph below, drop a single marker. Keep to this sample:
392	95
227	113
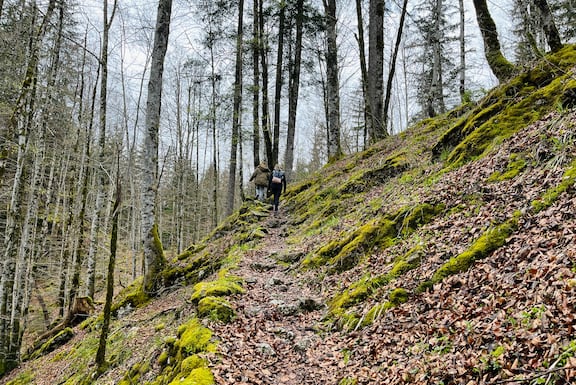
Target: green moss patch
550	196
216	308
345	253
516	164
509	108
491	240
391	167
53	343
223	286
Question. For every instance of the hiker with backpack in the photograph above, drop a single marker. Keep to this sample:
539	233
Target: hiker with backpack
277	184
261	178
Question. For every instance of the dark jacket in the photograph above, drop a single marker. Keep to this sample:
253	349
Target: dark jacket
277	186
261	175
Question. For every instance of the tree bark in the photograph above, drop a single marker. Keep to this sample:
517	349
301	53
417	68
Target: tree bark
101	353
549	26
237	113
393	63
332	83
153	253
500	66
278	86
363	69
265	117
375	79
256	43
294	90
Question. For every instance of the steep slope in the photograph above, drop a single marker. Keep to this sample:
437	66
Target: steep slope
443	255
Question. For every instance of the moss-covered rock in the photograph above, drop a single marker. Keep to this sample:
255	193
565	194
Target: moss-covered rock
223	286
217	308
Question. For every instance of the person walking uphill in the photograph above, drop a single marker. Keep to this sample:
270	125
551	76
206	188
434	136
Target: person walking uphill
277	184
261	178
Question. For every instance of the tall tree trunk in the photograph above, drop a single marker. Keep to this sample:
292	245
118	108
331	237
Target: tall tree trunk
462	39
101	353
278	86
153	253
100	172
499	65
363	69
237	113
393	63
375	79
265	103
294	89
549	26
332	82
256	48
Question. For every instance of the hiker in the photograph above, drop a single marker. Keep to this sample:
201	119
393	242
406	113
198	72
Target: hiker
277	184
261	176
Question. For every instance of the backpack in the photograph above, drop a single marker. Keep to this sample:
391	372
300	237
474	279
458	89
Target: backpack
277	176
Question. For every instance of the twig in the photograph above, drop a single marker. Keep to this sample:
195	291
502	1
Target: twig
540	374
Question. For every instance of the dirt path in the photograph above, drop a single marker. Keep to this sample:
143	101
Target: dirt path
274	339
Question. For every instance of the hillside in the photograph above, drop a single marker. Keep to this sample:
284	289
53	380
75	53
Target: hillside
443	255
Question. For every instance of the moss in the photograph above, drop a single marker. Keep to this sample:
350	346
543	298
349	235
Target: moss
24	378
392	166
193	338
516	164
191	363
510	107
223	286
398	296
347	251
491	240
133	296
134	374
58	340
163	359
198	376
550	196
218	309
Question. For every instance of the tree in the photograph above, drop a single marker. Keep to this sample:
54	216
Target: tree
293	88
363	68
549	26
237	113
499	65
332	82
256	43
101	352
20	123
278	84
153	253
375	79
393	62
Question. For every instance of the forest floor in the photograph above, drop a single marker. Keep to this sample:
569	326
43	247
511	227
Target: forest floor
276	337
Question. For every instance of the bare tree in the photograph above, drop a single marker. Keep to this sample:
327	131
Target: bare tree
375	79
294	88
332	83
236	114
153	253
